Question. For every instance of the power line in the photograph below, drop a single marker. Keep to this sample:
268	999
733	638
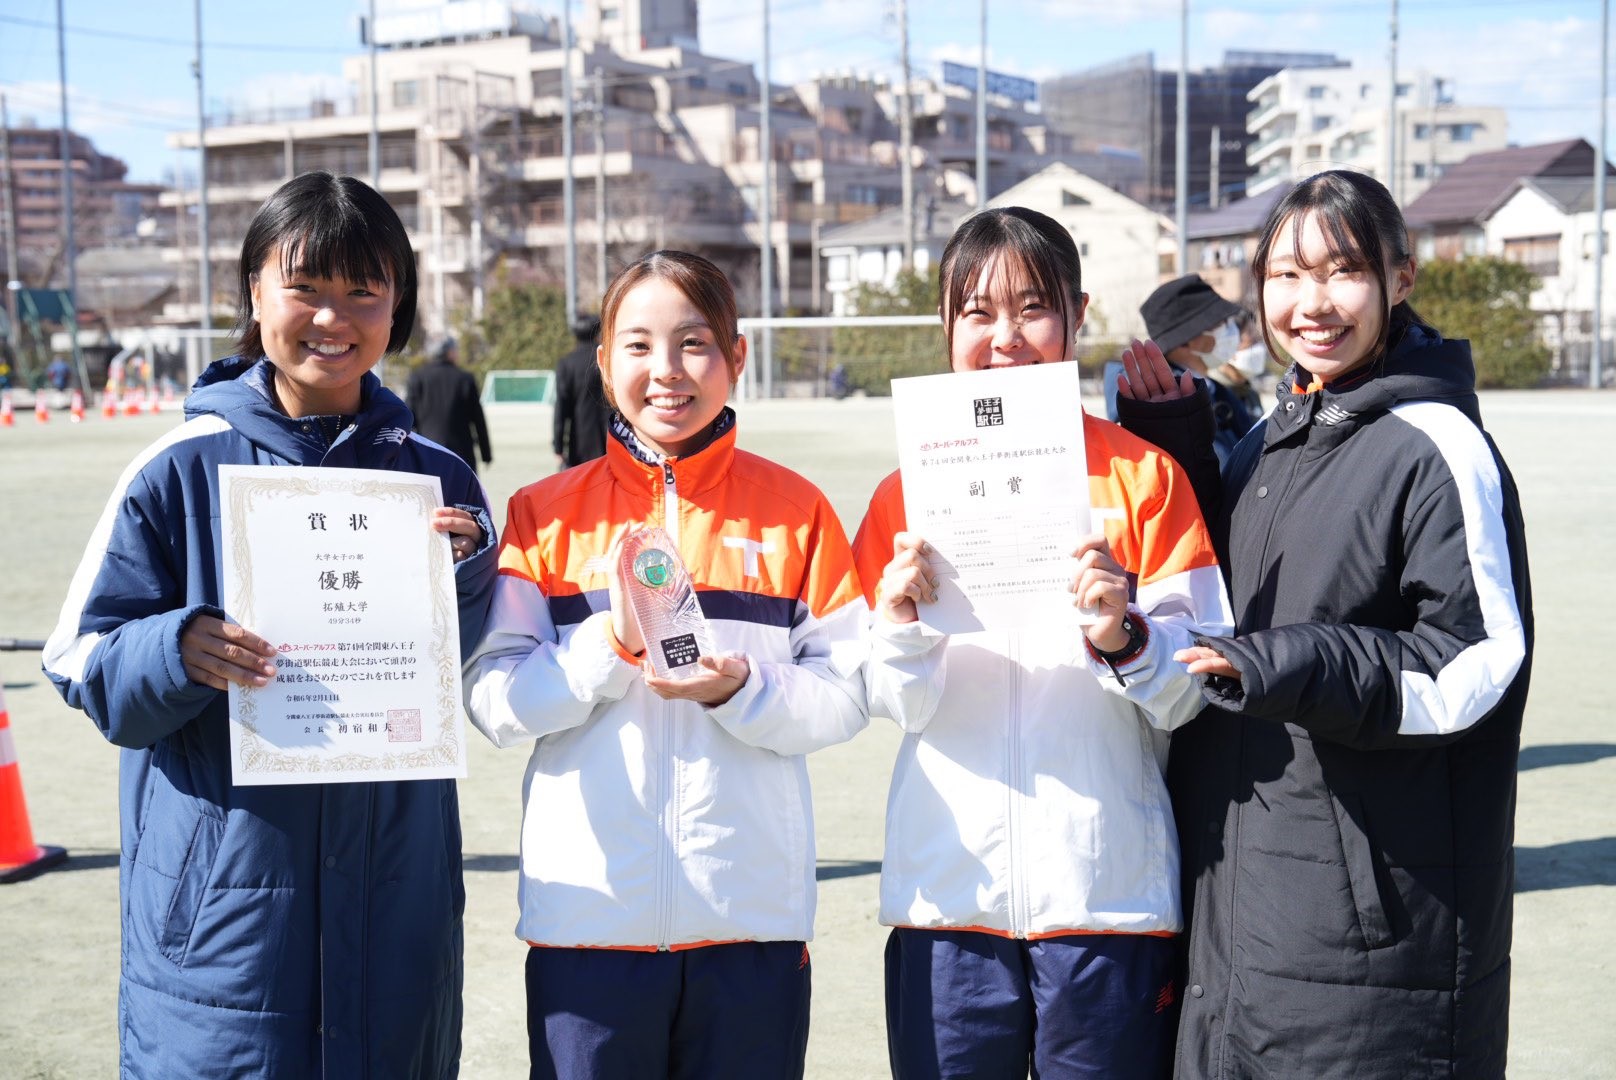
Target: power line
187	44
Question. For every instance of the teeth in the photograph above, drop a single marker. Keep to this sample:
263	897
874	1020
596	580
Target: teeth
1322	336
669	402
326	348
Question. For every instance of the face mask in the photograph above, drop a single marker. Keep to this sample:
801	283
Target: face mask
1225	343
1252	361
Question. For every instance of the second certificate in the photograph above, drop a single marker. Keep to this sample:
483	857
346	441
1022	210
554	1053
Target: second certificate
996	480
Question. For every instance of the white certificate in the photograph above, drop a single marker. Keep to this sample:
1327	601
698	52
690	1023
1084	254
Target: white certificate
341	571
996	480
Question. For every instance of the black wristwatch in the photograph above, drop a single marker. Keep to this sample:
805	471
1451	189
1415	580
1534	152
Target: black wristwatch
1134	625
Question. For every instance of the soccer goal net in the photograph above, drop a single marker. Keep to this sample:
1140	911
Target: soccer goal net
535	387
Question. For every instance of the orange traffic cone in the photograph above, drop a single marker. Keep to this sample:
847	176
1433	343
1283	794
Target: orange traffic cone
7	417
109	404
131	407
77	408
20	857
155	407
41	409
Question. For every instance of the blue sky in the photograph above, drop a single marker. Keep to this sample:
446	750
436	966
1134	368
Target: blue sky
129	74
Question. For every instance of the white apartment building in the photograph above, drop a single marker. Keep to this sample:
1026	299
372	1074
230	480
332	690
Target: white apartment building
666	150
1306	120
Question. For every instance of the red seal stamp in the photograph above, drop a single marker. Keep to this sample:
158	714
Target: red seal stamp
403	725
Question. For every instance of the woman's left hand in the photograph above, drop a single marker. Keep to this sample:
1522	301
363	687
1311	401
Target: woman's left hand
1102	585
1204	661
465	534
718	681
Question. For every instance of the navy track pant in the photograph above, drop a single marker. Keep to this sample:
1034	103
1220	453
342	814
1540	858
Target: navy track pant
966	1003
733	1010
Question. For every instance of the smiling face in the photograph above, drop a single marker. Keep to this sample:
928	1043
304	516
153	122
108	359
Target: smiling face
1325	310
322	335
667	374
1005	321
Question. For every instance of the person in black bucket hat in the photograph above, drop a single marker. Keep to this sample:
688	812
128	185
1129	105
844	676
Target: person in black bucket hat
1198	331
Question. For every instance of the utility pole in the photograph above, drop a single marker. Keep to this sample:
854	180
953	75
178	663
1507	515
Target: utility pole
1596	364
69	241
375	105
1391	105
982	111
205	280
13	332
1181	144
600	183
476	175
766	208
571	269
906	123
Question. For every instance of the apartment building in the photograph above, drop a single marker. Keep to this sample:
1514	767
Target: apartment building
1304	121
665	139
107	209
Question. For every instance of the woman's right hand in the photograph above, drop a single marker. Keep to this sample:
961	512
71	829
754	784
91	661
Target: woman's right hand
908	578
625	627
216	653
1147	376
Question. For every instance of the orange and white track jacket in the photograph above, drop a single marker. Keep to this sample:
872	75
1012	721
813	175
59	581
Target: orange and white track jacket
1027	798
649	823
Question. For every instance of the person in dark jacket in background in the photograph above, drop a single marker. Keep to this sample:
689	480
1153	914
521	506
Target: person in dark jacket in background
1346	806
443	397
581	411
289	930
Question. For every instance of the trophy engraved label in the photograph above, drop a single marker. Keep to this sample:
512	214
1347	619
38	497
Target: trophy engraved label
663	600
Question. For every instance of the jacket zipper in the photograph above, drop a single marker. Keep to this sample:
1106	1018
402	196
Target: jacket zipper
1015	897
666	818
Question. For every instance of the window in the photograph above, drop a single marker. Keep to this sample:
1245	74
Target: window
1419	170
1315	93
1463	132
836	268
1322	122
608	14
1539	254
855	117
1422	131
1403	89
1072	198
406	93
1588	241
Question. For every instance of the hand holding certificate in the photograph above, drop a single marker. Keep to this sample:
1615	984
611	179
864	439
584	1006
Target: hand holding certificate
995	479
341	571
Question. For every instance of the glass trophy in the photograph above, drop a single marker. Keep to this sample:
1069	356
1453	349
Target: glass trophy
663	599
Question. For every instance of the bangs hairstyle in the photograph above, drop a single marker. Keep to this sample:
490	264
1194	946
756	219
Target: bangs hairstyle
328	226
1364	231
1038	254
708	290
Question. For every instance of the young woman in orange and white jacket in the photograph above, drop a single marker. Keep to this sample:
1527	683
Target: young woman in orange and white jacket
667	857
1031	864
